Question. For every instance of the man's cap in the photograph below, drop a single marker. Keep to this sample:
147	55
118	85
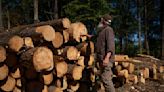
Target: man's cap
107	17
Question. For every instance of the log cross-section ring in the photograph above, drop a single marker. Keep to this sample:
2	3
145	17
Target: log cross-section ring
43	59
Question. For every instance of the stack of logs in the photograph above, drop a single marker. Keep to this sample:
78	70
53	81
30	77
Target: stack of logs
129	71
46	58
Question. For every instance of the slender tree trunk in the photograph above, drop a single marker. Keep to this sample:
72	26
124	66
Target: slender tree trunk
8	20
1	20
146	30
139	27
162	28
121	45
56	9
126	43
36	19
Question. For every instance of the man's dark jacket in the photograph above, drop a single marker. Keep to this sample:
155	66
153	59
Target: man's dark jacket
105	43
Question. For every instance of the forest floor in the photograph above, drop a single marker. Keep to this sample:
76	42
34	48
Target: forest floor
150	85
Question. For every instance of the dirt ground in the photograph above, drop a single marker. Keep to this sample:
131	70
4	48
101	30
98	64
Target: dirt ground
150	85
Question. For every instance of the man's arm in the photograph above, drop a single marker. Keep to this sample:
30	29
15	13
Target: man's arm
110	46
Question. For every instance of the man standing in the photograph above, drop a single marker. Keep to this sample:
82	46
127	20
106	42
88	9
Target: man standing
105	49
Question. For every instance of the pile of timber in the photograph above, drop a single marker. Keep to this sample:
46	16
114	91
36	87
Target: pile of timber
129	70
45	57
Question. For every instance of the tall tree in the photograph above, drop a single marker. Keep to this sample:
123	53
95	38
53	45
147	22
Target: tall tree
146	26
56	9
36	18
1	20
139	26
162	28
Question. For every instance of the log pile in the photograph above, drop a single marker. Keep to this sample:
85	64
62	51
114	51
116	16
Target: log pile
45	57
128	70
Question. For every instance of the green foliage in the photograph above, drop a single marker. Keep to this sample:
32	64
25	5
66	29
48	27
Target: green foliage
85	10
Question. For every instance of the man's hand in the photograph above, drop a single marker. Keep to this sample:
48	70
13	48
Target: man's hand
89	36
106	60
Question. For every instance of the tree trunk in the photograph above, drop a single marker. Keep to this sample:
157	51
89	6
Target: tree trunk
56	9
8	20
139	27
36	19
121	44
1	20
146	30
162	29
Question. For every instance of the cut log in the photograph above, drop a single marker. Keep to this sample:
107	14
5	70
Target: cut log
16	74
45	89
61	68
58	83
81	61
121	58
27	30
16	43
48	78
92	77
86	48
65	84
3	72
16	89
91	60
124	73
133	78
58	89
28	42
43	59
18	83
72	53
115	63
2	54
75	87
76	30
146	73
66	36
66	22
11	59
77	72
154	71
161	69
58	40
118	68
47	32
125	64
9	85
131	68
142	79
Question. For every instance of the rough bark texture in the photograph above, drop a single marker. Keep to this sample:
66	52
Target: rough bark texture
27	30
1	21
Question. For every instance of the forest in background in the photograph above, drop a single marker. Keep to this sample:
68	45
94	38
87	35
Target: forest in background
138	24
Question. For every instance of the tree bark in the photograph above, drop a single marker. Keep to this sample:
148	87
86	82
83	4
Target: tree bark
1	20
8	20
56	9
36	19
146	30
162	29
139	27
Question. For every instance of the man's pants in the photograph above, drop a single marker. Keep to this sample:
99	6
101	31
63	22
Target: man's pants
106	77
